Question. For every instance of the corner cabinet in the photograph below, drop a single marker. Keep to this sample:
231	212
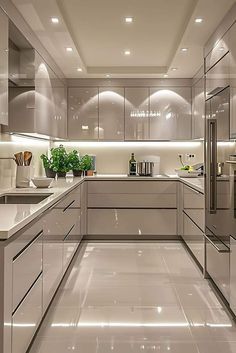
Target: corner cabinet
137	123
170	113
111	114
198	109
83	113
232	73
3	68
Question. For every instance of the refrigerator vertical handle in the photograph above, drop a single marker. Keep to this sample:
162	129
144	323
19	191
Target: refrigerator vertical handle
212	167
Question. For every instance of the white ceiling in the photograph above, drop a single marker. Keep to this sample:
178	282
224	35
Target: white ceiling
98	34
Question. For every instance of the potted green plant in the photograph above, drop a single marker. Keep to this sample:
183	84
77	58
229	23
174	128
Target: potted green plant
75	163
47	163
86	164
60	163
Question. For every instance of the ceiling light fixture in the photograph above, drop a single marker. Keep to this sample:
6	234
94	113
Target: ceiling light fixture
108	75
79	69
198	20
174	69
127	52
166	75
69	49
184	49
55	19
129	19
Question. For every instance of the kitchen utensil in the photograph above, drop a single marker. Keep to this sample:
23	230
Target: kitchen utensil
42	182
27	158
19	158
220	167
145	168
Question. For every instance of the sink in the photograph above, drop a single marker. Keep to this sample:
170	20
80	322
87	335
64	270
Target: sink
22	198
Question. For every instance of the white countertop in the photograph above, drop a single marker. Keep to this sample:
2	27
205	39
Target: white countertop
16	216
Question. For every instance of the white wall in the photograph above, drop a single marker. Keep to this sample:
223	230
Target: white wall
10	144
113	157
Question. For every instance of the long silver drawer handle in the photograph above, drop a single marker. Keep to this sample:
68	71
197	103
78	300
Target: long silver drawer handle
216	247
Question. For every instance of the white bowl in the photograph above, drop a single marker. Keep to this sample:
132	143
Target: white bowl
42	182
187	173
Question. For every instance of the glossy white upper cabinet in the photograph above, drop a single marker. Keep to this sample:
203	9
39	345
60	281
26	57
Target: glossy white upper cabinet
217	78
111	114
51	101
198	109
219	50
83	113
170	113
137	113
232	45
3	68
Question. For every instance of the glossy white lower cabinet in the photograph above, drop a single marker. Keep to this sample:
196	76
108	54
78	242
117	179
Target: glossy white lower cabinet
23	274
26	318
52	268
194	238
139	222
194	206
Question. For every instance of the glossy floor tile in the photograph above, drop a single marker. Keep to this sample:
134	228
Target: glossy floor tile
135	297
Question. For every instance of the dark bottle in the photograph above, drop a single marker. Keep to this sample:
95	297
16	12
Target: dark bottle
132	165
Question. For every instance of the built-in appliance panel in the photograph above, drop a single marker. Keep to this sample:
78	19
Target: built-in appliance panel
194	239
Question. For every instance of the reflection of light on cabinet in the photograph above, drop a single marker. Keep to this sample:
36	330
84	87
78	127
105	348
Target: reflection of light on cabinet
85	127
144	114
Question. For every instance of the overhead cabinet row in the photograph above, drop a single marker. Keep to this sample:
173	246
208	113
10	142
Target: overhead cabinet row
130	113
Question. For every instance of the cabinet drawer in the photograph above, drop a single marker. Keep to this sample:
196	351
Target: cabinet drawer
26	318
194	238
132	222
72	200
221	48
26	268
194	206
131	187
59	222
134	200
217	263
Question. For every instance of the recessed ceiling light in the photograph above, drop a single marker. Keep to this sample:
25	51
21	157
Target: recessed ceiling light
108	75
55	20
184	49
165	75
69	49
79	69
198	20
127	52
174	68
129	19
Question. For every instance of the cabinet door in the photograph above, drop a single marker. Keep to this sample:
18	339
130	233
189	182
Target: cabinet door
219	50
170	113
198	109
136	113
194	239
3	68
44	111
83	113
233	274
232	69
111	113
217	78
59	100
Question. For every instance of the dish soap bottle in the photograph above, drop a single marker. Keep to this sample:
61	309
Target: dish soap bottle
132	165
